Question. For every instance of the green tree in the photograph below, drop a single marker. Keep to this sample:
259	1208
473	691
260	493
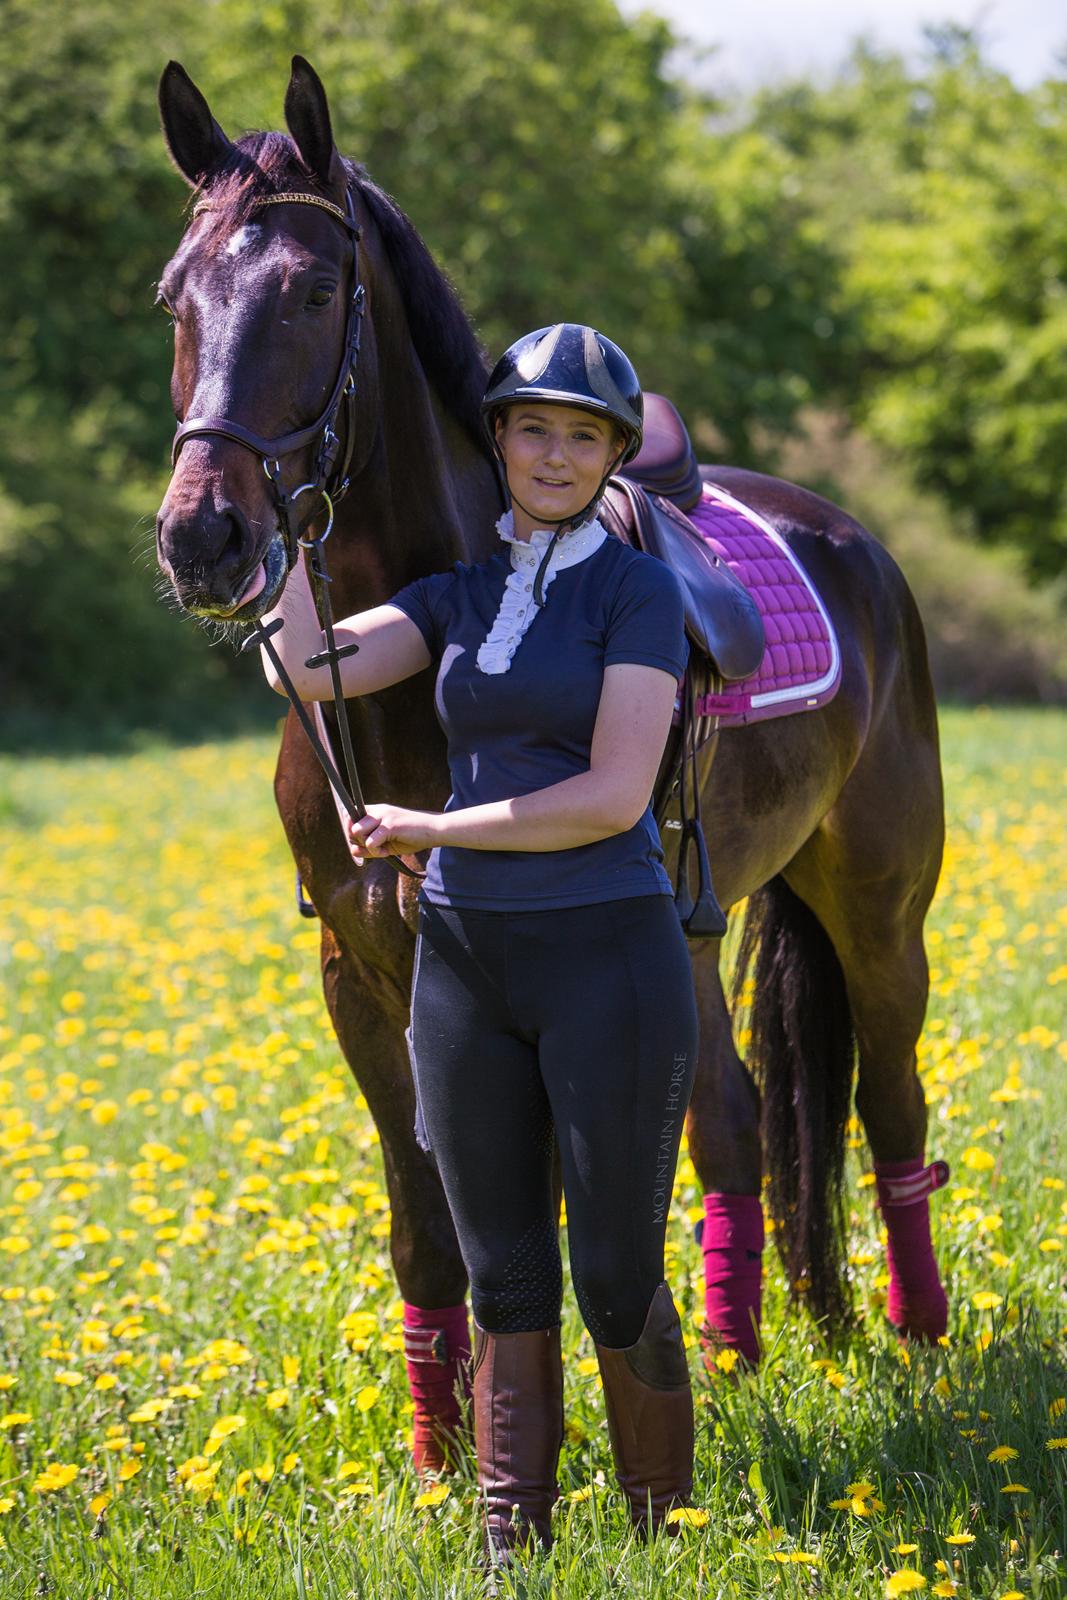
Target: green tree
548	157
943	192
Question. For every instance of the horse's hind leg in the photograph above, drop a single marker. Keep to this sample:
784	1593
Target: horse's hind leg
425	1252
869	874
723	1130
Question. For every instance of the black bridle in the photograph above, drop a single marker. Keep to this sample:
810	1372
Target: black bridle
334	450
333	455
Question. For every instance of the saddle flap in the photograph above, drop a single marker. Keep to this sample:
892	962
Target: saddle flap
721	616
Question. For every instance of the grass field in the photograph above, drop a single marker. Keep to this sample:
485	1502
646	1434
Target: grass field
201	1381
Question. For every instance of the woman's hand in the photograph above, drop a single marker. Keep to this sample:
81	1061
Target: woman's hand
390	831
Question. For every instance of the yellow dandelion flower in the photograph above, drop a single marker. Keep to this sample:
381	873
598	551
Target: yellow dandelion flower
986	1300
15	1419
1056	1444
349	1469
688	1516
977	1160
7	1502
289	1462
960	1538
224	1426
100	1502
727	1360
588	1366
276	1399
367	1397
1057	1407
1003	1452
129	1469
586	1491
1013	1594
202	1482
904	1549
55	1477
149	1410
1014	1488
904	1581
432	1496
945	1587
69	1378
290	1368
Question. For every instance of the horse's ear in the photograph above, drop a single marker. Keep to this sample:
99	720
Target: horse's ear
308	118
196	142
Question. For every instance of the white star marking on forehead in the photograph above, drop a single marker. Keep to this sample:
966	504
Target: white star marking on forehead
242	238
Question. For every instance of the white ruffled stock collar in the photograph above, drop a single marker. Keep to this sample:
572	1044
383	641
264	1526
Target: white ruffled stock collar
517	608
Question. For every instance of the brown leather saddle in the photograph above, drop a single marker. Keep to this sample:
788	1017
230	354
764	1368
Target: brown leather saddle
645	506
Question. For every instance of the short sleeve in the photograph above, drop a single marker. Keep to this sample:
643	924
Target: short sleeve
646	623
425	603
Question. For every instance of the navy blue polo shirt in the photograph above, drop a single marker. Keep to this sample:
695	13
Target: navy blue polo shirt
511	733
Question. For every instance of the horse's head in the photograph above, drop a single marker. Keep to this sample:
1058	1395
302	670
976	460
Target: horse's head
260	295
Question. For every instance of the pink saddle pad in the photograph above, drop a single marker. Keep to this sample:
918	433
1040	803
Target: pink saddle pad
801	666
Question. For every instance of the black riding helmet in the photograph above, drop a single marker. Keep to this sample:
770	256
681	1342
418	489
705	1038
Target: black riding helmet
573	365
568	364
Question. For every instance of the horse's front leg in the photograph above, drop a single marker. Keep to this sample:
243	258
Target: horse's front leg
723	1129
422	1240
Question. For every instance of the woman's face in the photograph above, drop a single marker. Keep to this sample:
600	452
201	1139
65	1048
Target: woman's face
555	456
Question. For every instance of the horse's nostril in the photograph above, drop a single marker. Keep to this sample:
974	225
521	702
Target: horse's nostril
206	551
235	544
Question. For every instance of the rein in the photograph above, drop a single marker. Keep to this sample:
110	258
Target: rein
332	458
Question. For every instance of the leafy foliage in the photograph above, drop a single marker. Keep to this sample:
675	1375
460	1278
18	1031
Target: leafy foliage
892	244
943	192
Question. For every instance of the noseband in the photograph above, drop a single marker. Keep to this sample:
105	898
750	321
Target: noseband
334	451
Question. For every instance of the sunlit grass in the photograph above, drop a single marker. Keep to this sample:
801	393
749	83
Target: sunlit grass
201	1379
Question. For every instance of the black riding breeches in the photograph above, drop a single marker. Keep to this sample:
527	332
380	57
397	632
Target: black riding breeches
579	1022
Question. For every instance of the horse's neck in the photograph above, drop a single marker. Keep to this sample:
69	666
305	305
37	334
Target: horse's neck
425	497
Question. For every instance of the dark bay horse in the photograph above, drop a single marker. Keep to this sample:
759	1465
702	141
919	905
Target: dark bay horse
830	822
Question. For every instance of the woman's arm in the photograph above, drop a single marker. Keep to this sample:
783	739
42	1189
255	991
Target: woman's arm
391	647
632	724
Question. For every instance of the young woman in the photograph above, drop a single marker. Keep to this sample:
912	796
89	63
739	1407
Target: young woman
552	997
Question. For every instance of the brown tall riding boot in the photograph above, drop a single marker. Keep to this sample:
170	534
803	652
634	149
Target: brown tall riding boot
518	1432
650	1415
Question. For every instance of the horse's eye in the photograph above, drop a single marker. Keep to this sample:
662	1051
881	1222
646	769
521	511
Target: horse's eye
165	306
322	294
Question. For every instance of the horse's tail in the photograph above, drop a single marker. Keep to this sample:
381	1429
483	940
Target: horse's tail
802	1052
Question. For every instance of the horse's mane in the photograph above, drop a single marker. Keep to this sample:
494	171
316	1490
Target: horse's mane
452	359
